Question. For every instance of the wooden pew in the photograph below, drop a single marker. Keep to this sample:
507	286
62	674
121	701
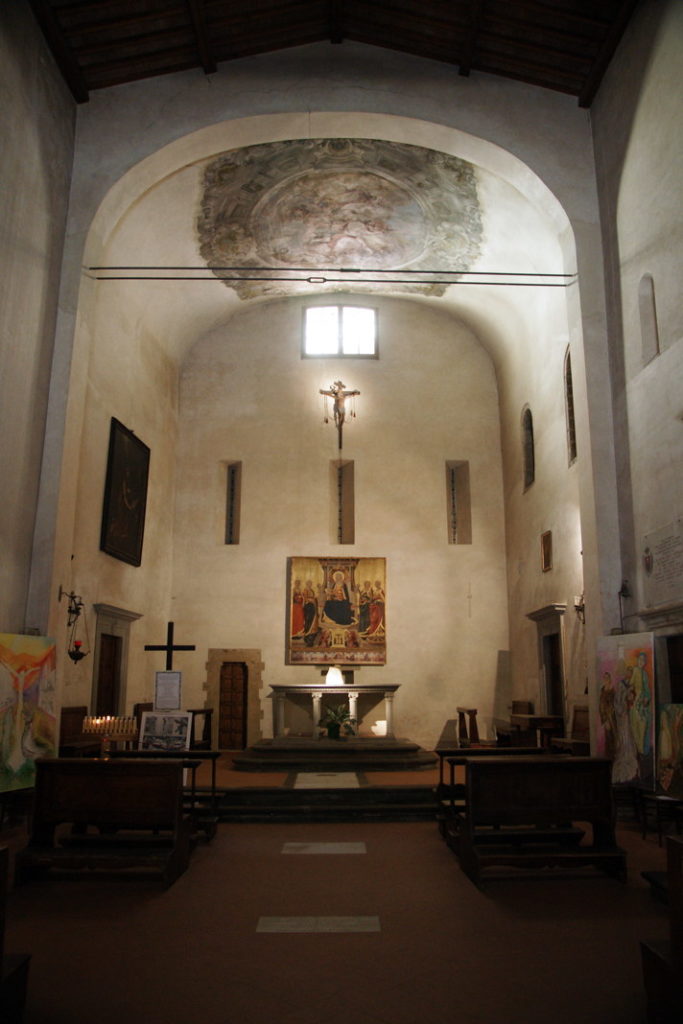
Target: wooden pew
451	794
522	812
121	817
13	966
663	962
204	818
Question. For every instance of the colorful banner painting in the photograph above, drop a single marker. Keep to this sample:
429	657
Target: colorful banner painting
670	750
27	707
625	729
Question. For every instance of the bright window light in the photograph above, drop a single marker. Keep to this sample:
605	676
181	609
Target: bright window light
340	331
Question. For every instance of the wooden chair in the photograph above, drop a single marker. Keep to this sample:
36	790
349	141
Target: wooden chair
465	735
201	722
579	739
515	735
73	742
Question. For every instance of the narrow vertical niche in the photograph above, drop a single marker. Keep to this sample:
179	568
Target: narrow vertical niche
233	502
647	307
569	408
343	500
458	502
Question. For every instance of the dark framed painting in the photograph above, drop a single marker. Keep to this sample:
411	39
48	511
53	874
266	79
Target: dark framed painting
336	611
125	495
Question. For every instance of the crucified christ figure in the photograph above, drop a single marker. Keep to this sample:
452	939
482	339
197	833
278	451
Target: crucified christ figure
338	393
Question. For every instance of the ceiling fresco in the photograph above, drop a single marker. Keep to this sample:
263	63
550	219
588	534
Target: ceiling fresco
341	205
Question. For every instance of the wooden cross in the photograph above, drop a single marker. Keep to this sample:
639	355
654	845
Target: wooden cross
170	647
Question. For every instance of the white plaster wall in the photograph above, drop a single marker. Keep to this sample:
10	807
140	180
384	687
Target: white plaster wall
124	372
639	147
535	141
37	124
247	395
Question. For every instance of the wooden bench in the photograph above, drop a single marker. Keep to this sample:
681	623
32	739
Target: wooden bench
663	962
122	817
579	739
13	966
522	812
201	807
451	794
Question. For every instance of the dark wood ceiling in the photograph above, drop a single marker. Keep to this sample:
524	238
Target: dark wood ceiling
564	45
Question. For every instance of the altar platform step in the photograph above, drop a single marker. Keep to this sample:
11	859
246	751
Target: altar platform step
366	803
354	753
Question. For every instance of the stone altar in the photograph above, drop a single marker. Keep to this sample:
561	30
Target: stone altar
281	692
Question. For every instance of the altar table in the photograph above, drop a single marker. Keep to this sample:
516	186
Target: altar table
282	692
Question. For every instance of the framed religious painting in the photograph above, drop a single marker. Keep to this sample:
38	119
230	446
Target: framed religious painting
125	495
336	611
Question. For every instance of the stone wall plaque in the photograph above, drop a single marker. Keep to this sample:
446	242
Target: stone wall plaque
663	565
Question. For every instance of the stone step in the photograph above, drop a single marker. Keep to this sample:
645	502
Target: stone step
367	803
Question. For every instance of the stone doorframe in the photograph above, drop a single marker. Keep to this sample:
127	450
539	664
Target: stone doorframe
549	620
117	622
252	659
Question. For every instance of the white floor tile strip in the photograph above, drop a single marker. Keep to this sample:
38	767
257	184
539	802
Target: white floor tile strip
324	848
326	780
330	925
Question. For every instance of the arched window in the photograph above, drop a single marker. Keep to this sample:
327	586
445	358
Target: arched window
569	408
649	335
528	447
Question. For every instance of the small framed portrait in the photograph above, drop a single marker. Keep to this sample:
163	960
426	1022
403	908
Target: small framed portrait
125	495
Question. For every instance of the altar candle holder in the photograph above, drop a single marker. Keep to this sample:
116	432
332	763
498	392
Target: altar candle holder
110	728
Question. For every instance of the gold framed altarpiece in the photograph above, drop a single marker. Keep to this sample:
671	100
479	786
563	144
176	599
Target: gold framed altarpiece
336	611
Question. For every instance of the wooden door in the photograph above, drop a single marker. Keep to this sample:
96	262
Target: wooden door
109	675
232	715
552	664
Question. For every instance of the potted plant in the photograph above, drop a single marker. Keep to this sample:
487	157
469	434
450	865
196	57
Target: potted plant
336	718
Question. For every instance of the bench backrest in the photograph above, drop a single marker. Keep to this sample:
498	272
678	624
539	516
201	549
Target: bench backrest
460	756
538	790
124	794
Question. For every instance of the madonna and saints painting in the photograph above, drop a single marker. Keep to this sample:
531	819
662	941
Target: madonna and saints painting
337	611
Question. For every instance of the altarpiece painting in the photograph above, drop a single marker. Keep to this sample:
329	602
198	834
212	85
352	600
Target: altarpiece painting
336	611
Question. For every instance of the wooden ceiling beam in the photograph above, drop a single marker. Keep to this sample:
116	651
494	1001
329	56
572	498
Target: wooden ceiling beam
206	58
120	23
61	51
609	45
335	10
538	12
476	10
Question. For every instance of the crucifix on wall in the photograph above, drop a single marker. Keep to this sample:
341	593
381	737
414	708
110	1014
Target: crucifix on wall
339	394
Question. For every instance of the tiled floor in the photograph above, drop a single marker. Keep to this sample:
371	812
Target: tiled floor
393	935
